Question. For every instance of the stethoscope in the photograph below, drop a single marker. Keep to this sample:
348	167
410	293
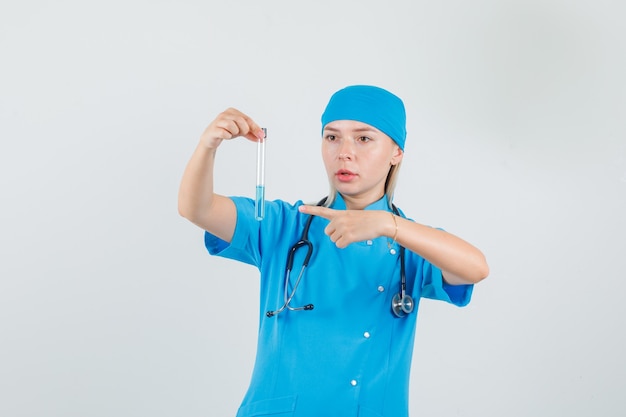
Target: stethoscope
401	304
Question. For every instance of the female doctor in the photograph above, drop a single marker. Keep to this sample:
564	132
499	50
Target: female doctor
340	281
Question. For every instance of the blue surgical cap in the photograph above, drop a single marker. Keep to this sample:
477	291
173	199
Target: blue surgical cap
374	106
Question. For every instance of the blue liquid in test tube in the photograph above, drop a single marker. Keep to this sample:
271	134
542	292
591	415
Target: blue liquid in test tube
259	202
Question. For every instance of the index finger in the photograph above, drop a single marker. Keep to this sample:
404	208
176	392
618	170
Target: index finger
320	211
250	129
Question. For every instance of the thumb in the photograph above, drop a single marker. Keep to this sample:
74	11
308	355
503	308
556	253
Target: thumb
256	133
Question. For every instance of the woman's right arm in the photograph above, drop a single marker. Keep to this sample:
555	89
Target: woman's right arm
197	201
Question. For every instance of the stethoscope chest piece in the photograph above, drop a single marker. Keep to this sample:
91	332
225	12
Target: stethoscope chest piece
402	304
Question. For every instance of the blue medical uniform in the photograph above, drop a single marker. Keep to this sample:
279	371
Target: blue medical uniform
350	356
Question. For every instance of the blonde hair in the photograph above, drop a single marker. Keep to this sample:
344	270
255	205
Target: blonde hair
390	186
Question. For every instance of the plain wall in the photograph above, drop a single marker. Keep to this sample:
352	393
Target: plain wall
109	303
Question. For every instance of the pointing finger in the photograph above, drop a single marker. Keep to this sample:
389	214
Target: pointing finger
324	212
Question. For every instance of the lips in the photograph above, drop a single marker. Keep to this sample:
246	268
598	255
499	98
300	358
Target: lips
345	175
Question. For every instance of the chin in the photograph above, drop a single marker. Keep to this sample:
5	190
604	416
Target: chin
345	188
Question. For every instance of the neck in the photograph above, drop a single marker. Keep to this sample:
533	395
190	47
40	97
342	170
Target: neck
360	202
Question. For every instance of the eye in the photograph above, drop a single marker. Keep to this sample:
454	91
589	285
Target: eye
330	138
364	139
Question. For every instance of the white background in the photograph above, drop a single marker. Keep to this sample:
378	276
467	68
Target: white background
109	303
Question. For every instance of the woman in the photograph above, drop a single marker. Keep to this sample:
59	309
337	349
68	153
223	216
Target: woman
337	329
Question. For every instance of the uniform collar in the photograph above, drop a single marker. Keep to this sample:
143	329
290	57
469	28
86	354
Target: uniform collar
381	204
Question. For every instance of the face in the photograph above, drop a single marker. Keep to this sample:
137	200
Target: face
357	158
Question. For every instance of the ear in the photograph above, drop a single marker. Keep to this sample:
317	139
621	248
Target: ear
397	155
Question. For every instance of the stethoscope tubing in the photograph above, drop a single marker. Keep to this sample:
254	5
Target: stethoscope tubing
401	303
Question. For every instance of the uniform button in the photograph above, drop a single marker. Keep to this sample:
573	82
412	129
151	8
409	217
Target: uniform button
369	243
381	288
392	251
366	335
353	382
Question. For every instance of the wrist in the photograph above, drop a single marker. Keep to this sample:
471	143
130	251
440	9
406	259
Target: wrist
210	143
393	230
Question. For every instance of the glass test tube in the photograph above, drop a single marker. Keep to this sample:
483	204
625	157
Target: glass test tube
259	202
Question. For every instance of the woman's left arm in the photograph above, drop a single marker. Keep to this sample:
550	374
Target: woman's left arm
459	261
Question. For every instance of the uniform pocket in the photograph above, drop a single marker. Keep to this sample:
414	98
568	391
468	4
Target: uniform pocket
283	407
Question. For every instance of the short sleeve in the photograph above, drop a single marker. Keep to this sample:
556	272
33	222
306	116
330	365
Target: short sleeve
434	287
244	245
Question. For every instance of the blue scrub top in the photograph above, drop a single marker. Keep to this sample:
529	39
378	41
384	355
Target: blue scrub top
350	356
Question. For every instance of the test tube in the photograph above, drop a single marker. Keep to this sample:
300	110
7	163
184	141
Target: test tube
259	203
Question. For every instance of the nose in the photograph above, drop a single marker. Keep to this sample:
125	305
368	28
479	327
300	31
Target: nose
346	150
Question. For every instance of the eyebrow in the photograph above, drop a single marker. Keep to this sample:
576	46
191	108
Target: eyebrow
358	129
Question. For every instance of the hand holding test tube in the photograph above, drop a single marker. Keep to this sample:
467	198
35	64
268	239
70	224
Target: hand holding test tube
259	203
